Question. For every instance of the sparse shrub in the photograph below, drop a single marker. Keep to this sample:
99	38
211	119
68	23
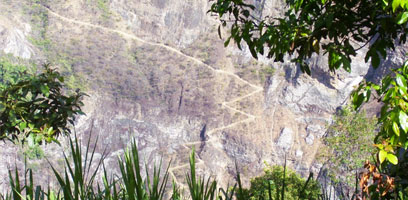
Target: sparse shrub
348	144
391	141
33	152
39	22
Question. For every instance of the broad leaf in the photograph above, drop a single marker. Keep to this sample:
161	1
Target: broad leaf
396	4
401	81
402	18
382	155
45	90
392	158
395	128
375	60
403	120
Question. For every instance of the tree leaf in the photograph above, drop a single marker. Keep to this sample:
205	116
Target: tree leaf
226	43
402	18
375	60
395	4
401	81
403	120
45	90
2	108
382	155
392	158
253	52
395	128
358	99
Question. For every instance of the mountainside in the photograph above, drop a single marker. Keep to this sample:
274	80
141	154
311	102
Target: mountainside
156	71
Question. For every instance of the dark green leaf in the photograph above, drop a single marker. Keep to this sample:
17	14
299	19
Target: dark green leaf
45	90
375	60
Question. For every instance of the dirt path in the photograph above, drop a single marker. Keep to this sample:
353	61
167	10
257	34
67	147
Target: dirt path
211	133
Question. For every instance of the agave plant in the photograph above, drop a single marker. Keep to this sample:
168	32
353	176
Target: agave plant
134	187
199	188
78	181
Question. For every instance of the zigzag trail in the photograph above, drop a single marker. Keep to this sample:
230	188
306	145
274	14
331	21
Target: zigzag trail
212	139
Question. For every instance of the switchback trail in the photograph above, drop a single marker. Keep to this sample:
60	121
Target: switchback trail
211	137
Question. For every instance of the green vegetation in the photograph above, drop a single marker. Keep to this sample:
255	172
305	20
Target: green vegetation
348	143
271	185
33	151
79	181
39	22
42	40
267	71
11	73
66	64
34	106
198	187
255	70
391	140
330	27
104	7
317	27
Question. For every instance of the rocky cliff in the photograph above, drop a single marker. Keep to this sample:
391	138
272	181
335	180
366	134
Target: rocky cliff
156	71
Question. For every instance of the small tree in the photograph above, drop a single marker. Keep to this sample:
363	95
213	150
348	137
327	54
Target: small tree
276	178
392	139
36	106
348	144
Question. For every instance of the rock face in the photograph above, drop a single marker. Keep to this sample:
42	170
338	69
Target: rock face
285	140
14	39
157	73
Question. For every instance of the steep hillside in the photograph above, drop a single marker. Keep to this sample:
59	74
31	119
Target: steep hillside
156	71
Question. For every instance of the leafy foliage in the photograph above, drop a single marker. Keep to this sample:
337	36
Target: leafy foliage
317	26
36	106
392	92
279	180
11	73
134	186
198	187
349	143
392	138
337	29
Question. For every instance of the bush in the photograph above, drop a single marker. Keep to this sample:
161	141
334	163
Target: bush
36	105
349	143
269	185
